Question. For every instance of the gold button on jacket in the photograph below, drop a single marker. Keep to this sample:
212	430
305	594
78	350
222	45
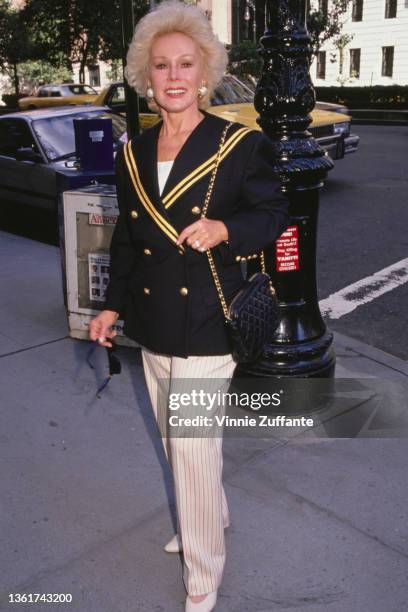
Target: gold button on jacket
183	290
196	210
134	214
147	252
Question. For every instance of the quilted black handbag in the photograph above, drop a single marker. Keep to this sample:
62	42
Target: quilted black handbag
252	315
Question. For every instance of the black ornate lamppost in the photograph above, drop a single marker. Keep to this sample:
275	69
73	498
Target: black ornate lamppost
284	97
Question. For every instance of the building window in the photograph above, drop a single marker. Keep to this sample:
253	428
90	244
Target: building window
390	9
94	76
387	61
355	63
323	6
321	65
357	10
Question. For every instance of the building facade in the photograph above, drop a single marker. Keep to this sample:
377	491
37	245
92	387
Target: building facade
219	12
375	51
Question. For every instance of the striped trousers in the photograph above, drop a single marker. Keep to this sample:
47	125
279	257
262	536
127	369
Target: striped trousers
196	464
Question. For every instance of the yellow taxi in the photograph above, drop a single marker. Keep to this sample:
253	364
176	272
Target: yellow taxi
59	95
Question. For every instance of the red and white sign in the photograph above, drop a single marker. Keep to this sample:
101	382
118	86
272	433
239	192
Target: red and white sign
98	219
287	250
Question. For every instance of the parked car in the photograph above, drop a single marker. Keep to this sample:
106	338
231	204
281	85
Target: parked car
233	100
34	145
59	95
331	106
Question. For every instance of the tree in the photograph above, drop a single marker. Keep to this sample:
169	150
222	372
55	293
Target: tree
244	59
35	73
81	31
340	44
325	23
116	70
15	44
78	30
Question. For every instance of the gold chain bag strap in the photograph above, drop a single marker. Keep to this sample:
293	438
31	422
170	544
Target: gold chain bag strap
252	316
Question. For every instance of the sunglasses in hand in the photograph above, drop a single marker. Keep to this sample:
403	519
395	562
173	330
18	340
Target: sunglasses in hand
113	360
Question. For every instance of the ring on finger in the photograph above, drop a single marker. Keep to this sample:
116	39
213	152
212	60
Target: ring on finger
201	249
197	244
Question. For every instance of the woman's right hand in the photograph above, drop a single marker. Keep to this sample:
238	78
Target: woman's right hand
99	327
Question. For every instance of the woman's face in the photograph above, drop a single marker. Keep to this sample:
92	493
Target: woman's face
176	63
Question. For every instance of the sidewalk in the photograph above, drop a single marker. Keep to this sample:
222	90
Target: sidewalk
317	524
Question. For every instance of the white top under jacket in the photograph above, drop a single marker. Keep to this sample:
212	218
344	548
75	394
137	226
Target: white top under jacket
163	171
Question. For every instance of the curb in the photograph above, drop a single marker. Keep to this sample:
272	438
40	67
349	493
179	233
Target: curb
379	122
371	352
361	116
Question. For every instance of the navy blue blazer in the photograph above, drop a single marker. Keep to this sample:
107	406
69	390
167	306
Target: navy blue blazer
165	293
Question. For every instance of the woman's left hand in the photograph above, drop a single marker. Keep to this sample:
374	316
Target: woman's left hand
204	234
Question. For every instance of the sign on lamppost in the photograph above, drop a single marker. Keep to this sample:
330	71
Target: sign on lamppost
284	99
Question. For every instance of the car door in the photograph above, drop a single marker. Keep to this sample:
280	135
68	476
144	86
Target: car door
57	97
25	177
42	97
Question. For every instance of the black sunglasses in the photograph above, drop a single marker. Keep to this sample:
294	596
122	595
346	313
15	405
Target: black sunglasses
113	360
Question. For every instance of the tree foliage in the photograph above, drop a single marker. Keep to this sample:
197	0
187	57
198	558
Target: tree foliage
244	59
80	31
15	44
83	32
35	73
323	26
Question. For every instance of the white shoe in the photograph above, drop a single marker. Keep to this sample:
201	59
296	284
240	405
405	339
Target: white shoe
175	545
206	605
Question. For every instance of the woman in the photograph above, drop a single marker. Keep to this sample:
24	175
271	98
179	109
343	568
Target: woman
160	279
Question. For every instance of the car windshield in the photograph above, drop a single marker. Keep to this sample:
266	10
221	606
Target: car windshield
79	90
56	134
231	91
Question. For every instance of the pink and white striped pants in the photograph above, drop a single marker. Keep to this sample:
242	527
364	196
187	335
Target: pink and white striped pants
196	463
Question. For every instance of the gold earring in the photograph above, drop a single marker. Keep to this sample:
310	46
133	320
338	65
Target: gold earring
202	91
149	93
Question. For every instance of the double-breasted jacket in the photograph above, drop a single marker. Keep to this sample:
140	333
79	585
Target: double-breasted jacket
165	292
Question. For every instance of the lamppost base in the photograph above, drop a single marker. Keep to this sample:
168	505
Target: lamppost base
288	367
311	359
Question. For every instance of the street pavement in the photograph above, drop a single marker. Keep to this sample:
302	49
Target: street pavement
362	230
318	515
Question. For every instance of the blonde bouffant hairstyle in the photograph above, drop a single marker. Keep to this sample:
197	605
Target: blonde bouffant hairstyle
175	16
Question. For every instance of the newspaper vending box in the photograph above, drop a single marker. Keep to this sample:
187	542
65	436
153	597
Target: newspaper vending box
90	215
